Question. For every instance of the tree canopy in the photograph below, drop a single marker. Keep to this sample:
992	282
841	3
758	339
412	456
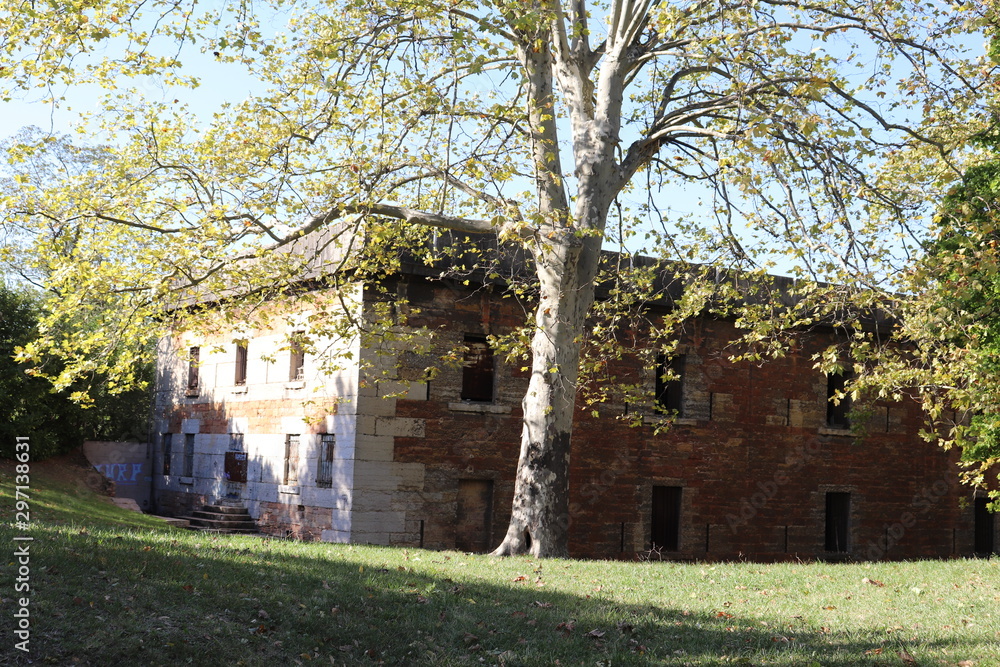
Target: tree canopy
950	318
738	134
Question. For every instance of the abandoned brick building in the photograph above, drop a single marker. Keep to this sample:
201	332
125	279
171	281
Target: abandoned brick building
758	463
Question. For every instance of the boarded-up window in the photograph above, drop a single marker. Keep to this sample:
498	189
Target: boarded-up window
168	446
235	461
666	518
297	358
324	474
235	467
837	415
194	377
475	509
984	527
477	370
241	363
838	521
291	474
670	383
188	455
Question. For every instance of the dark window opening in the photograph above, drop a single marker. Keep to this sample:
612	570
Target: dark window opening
241	363
168	446
670	392
324	474
984	527
188	455
297	358
477	370
837	415
291	472
666	518
838	521
194	377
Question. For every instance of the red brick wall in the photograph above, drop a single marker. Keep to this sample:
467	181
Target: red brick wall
754	475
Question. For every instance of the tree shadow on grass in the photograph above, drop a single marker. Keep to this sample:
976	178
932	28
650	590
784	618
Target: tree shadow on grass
107	596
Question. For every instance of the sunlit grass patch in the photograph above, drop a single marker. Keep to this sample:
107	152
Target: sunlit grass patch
109	585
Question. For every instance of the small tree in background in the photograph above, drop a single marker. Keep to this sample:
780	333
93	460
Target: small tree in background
32	408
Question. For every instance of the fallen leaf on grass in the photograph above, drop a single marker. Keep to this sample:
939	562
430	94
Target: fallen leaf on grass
873	582
567	628
595	633
874	651
906	657
543	605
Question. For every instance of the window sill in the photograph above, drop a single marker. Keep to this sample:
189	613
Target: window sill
480	408
289	489
295	384
189	481
831	430
239	389
192	393
667	419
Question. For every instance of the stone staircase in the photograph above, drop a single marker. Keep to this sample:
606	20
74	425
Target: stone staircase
222	519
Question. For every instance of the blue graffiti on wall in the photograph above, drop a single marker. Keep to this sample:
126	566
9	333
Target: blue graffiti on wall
121	473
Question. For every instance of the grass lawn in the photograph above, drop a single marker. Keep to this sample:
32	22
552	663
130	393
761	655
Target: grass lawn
110	587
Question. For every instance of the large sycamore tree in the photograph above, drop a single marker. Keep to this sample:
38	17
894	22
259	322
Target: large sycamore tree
740	132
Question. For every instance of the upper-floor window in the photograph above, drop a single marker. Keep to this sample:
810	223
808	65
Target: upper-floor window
477	370
297	358
240	377
194	377
669	389
838	414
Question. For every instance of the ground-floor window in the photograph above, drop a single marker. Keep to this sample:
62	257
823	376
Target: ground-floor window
291	476
838	521
474	511
984	527
168	446
666	518
188	455
324	474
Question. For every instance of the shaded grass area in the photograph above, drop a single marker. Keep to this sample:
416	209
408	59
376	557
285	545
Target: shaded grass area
113	587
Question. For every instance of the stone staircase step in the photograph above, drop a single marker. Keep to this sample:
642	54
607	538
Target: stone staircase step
222	519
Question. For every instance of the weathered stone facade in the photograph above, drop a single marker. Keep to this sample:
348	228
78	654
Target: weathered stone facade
751	468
